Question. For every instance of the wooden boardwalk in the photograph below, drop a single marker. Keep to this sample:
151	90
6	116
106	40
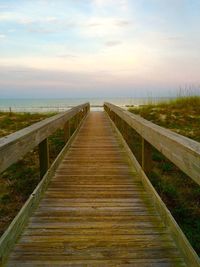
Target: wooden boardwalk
95	211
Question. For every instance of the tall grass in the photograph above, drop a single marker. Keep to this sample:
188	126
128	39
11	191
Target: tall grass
182	102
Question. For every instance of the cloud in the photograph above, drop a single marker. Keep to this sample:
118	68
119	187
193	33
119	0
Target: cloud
103	21
20	18
30	82
2	6
42	30
52	19
121	37
104	26
7	16
46	20
173	38
67	56
90	26
122	23
45	25
46	28
103	3
2	36
121	57
113	43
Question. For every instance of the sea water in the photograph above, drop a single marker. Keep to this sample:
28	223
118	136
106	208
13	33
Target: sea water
62	104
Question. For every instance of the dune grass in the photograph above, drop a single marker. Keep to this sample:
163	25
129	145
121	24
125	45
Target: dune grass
181	115
179	192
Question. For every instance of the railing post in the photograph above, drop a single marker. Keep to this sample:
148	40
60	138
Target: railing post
146	156
76	120
79	117
125	130
113	116
66	131
70	128
44	157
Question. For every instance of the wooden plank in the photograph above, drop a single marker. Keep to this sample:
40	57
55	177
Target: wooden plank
98	225
164	262
26	139
92	231
182	151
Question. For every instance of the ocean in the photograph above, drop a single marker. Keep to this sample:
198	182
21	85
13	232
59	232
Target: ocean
62	104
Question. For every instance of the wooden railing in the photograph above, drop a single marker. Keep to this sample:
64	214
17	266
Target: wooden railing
182	151
16	145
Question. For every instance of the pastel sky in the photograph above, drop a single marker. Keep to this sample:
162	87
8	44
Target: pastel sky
94	48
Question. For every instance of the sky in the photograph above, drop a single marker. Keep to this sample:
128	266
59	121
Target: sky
98	48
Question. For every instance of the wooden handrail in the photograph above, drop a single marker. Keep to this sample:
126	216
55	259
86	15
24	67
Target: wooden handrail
16	145
9	237
182	151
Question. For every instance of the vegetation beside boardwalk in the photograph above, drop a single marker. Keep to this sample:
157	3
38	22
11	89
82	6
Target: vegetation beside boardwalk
181	115
20	179
179	192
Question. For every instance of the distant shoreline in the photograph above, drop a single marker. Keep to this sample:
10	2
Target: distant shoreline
60	105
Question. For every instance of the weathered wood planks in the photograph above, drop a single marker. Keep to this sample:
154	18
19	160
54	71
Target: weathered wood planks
95	211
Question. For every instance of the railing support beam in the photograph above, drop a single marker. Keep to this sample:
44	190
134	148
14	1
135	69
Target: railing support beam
44	157
67	131
146	157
